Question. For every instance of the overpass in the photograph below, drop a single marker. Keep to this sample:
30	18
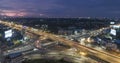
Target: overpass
100	54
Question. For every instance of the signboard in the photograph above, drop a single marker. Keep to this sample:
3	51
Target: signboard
116	26
112	23
113	32
8	33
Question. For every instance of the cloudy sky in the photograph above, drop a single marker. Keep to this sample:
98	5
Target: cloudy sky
60	8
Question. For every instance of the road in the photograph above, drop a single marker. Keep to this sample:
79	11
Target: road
101	54
19	49
58	56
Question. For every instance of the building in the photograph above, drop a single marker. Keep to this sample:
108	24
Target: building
14	58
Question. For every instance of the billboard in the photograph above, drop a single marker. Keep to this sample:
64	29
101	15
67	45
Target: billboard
8	33
116	26
112	23
113	32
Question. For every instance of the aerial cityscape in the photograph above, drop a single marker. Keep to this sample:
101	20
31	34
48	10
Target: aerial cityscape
59	31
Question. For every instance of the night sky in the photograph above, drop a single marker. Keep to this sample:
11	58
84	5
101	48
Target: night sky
60	8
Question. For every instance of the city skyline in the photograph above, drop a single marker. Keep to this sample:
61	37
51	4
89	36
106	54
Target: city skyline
60	8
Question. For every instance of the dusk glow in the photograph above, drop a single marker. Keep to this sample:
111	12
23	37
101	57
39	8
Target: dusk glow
12	13
60	8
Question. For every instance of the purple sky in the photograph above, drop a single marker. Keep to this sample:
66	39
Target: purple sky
60	8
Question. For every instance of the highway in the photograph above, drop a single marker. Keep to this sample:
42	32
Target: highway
100	54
